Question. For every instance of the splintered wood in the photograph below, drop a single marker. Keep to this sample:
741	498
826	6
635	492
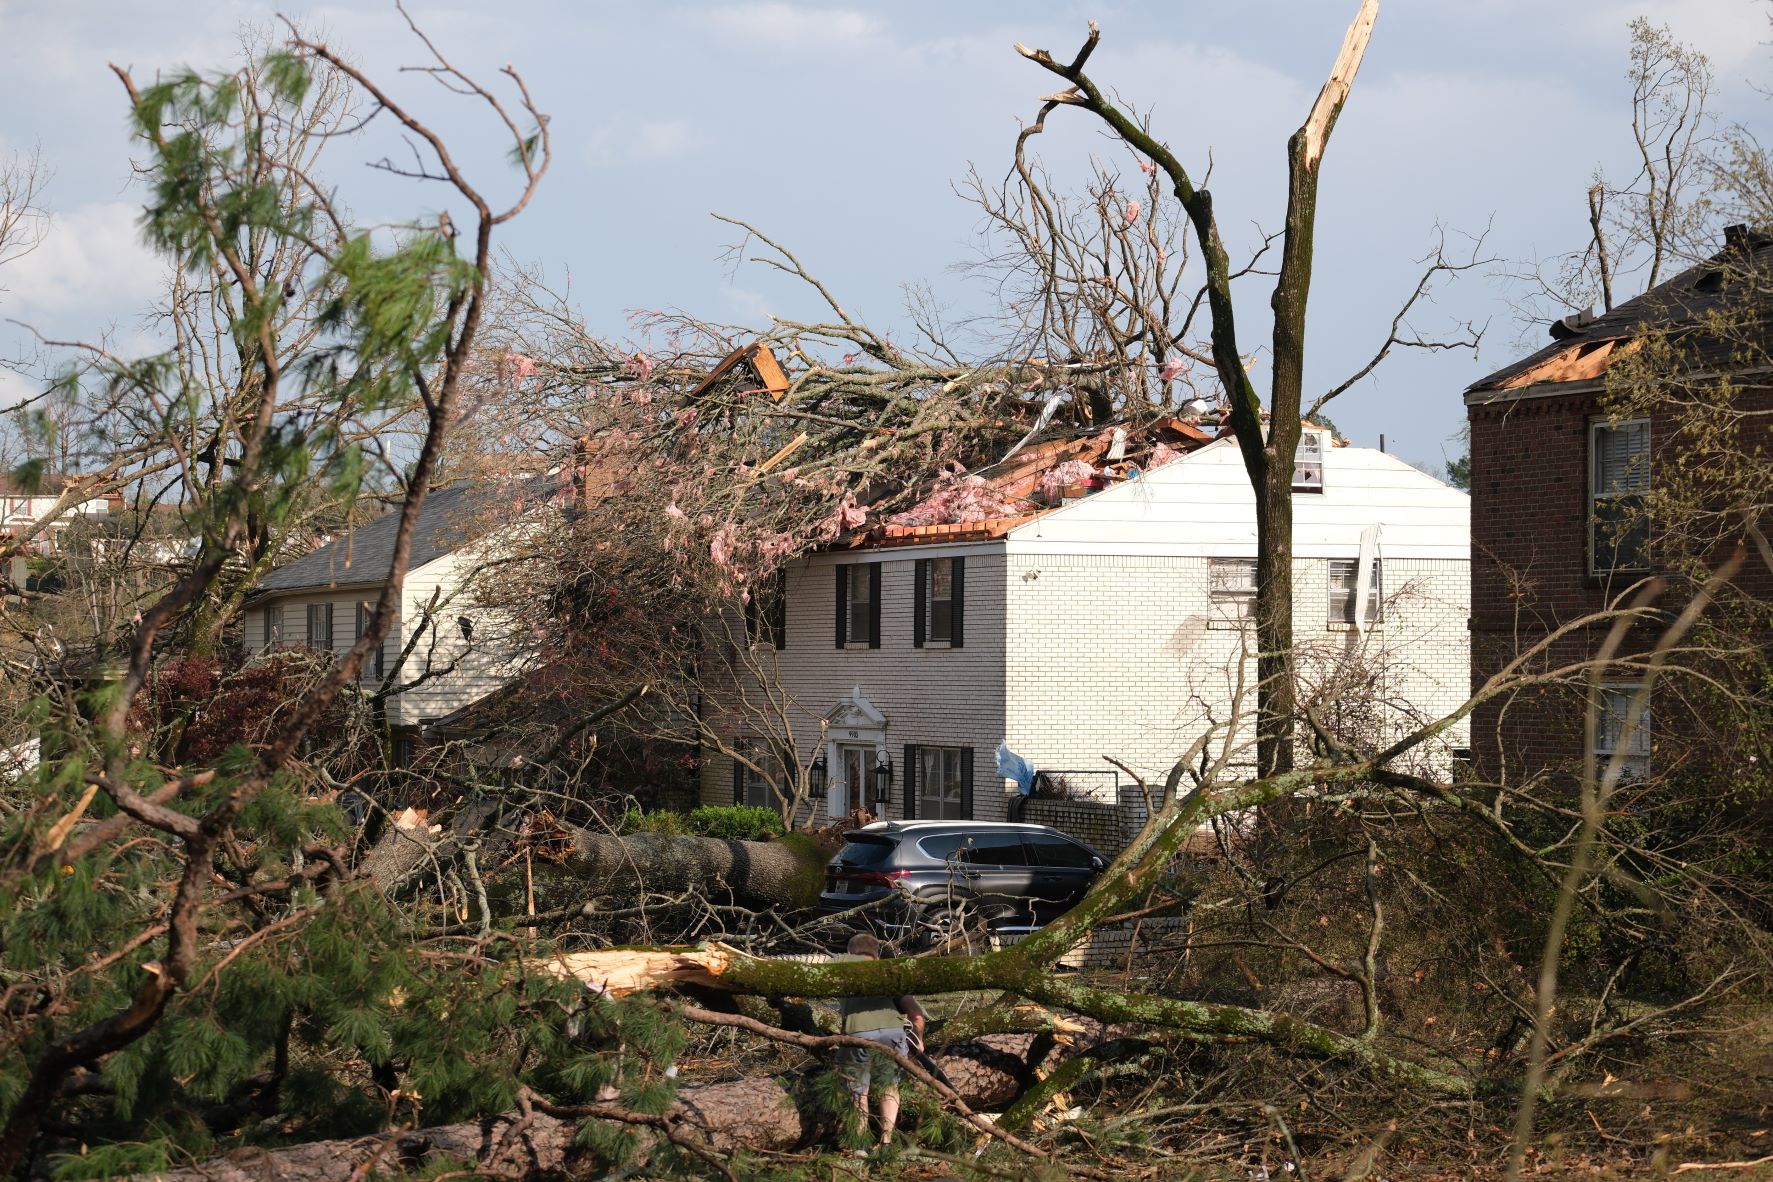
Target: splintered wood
621	971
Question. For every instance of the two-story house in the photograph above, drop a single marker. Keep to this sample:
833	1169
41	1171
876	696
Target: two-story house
1563	475
1109	619
443	652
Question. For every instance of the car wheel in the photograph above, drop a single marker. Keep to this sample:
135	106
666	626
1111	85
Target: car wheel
957	928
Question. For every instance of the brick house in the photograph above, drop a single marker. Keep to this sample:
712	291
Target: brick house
1109	618
1557	488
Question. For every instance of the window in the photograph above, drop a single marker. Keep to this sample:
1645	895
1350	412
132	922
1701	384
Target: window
941	597
1308	461
320	626
751	786
273	625
1231	590
1610	736
1046	849
1619	476
995	849
1343	591
939	783
374	663
858	604
766	611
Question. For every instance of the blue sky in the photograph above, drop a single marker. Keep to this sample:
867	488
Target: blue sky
840	129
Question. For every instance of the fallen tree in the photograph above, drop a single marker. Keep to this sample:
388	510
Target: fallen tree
783	873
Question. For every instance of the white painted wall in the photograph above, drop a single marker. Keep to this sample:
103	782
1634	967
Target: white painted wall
1089	632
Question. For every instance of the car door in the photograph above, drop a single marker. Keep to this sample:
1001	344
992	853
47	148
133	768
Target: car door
1060	871
994	870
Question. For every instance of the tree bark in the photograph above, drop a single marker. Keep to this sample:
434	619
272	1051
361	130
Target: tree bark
786	873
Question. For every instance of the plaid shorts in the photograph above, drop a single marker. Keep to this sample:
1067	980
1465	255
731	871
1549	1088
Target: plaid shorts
857	1064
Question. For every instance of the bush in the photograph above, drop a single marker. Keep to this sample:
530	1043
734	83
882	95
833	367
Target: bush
735	822
731	822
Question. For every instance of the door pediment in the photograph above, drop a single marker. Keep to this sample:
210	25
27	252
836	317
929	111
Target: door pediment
856	713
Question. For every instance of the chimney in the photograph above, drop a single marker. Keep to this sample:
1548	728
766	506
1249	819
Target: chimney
1737	237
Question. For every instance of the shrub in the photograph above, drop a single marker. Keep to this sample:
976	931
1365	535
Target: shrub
730	822
735	822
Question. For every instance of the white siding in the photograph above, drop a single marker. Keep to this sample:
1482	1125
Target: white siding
455	672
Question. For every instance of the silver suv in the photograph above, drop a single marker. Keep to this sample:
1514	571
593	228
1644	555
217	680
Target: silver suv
931	883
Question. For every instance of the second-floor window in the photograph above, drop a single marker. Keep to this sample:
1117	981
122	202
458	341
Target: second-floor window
939	611
858	605
1231	590
1619	478
766	611
1345	589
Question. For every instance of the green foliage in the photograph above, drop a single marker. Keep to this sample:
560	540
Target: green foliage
730	822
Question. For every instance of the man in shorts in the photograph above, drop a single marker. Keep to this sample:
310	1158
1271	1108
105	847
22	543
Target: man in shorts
879	1020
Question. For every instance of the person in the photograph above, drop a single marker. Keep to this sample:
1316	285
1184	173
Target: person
879	1020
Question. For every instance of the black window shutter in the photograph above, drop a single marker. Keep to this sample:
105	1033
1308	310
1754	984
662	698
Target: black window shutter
966	783
843	604
874	605
920	601
957	613
779	608
738	782
910	782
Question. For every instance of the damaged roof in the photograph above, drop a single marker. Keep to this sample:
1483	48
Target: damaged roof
1034	479
1584	347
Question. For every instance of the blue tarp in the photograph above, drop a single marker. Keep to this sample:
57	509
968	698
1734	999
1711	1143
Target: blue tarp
1013	767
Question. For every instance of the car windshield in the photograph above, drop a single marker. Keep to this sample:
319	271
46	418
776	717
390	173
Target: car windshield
864	851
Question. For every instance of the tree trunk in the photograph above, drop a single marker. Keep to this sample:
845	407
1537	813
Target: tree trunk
785	873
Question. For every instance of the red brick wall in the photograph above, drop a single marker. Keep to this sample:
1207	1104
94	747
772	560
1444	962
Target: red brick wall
1529	570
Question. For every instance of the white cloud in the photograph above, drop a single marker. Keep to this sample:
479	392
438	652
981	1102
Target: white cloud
643	140
92	261
799	28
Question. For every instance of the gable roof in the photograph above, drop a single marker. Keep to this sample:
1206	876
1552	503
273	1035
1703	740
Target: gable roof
1583	348
450	518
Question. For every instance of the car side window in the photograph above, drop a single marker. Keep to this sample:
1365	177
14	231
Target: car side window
995	849
942	846
1046	849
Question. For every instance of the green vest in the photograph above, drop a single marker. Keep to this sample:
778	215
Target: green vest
867	1013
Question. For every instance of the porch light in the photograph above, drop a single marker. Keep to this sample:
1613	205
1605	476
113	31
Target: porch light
883	781
815	777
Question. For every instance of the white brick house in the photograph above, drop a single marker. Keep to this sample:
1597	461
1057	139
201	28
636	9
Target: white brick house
1113	625
456	650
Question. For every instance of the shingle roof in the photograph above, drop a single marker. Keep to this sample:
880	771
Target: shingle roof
1582	352
451	518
